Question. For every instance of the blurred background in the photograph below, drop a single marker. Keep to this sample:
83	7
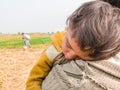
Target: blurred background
30	16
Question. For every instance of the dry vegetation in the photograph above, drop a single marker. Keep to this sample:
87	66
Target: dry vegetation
15	65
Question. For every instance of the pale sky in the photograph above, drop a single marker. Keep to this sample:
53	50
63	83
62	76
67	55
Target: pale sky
35	15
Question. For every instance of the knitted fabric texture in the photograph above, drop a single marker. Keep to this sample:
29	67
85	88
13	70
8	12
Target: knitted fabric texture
83	75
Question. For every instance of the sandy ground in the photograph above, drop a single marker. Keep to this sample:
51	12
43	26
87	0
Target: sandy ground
15	65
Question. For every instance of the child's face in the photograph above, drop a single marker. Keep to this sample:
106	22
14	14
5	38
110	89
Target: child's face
71	50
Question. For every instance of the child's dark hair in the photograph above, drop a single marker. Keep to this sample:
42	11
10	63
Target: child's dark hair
115	3
96	28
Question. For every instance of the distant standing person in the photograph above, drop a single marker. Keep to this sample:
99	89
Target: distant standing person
26	39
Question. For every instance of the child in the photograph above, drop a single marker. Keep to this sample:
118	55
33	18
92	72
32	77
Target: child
91	35
94	36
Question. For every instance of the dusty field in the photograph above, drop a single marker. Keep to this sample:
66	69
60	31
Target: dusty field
15	65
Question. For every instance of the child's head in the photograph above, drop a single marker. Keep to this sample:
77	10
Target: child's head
93	32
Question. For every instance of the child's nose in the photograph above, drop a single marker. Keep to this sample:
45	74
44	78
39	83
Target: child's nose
73	55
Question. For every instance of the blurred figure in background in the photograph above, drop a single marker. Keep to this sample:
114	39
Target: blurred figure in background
26	39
